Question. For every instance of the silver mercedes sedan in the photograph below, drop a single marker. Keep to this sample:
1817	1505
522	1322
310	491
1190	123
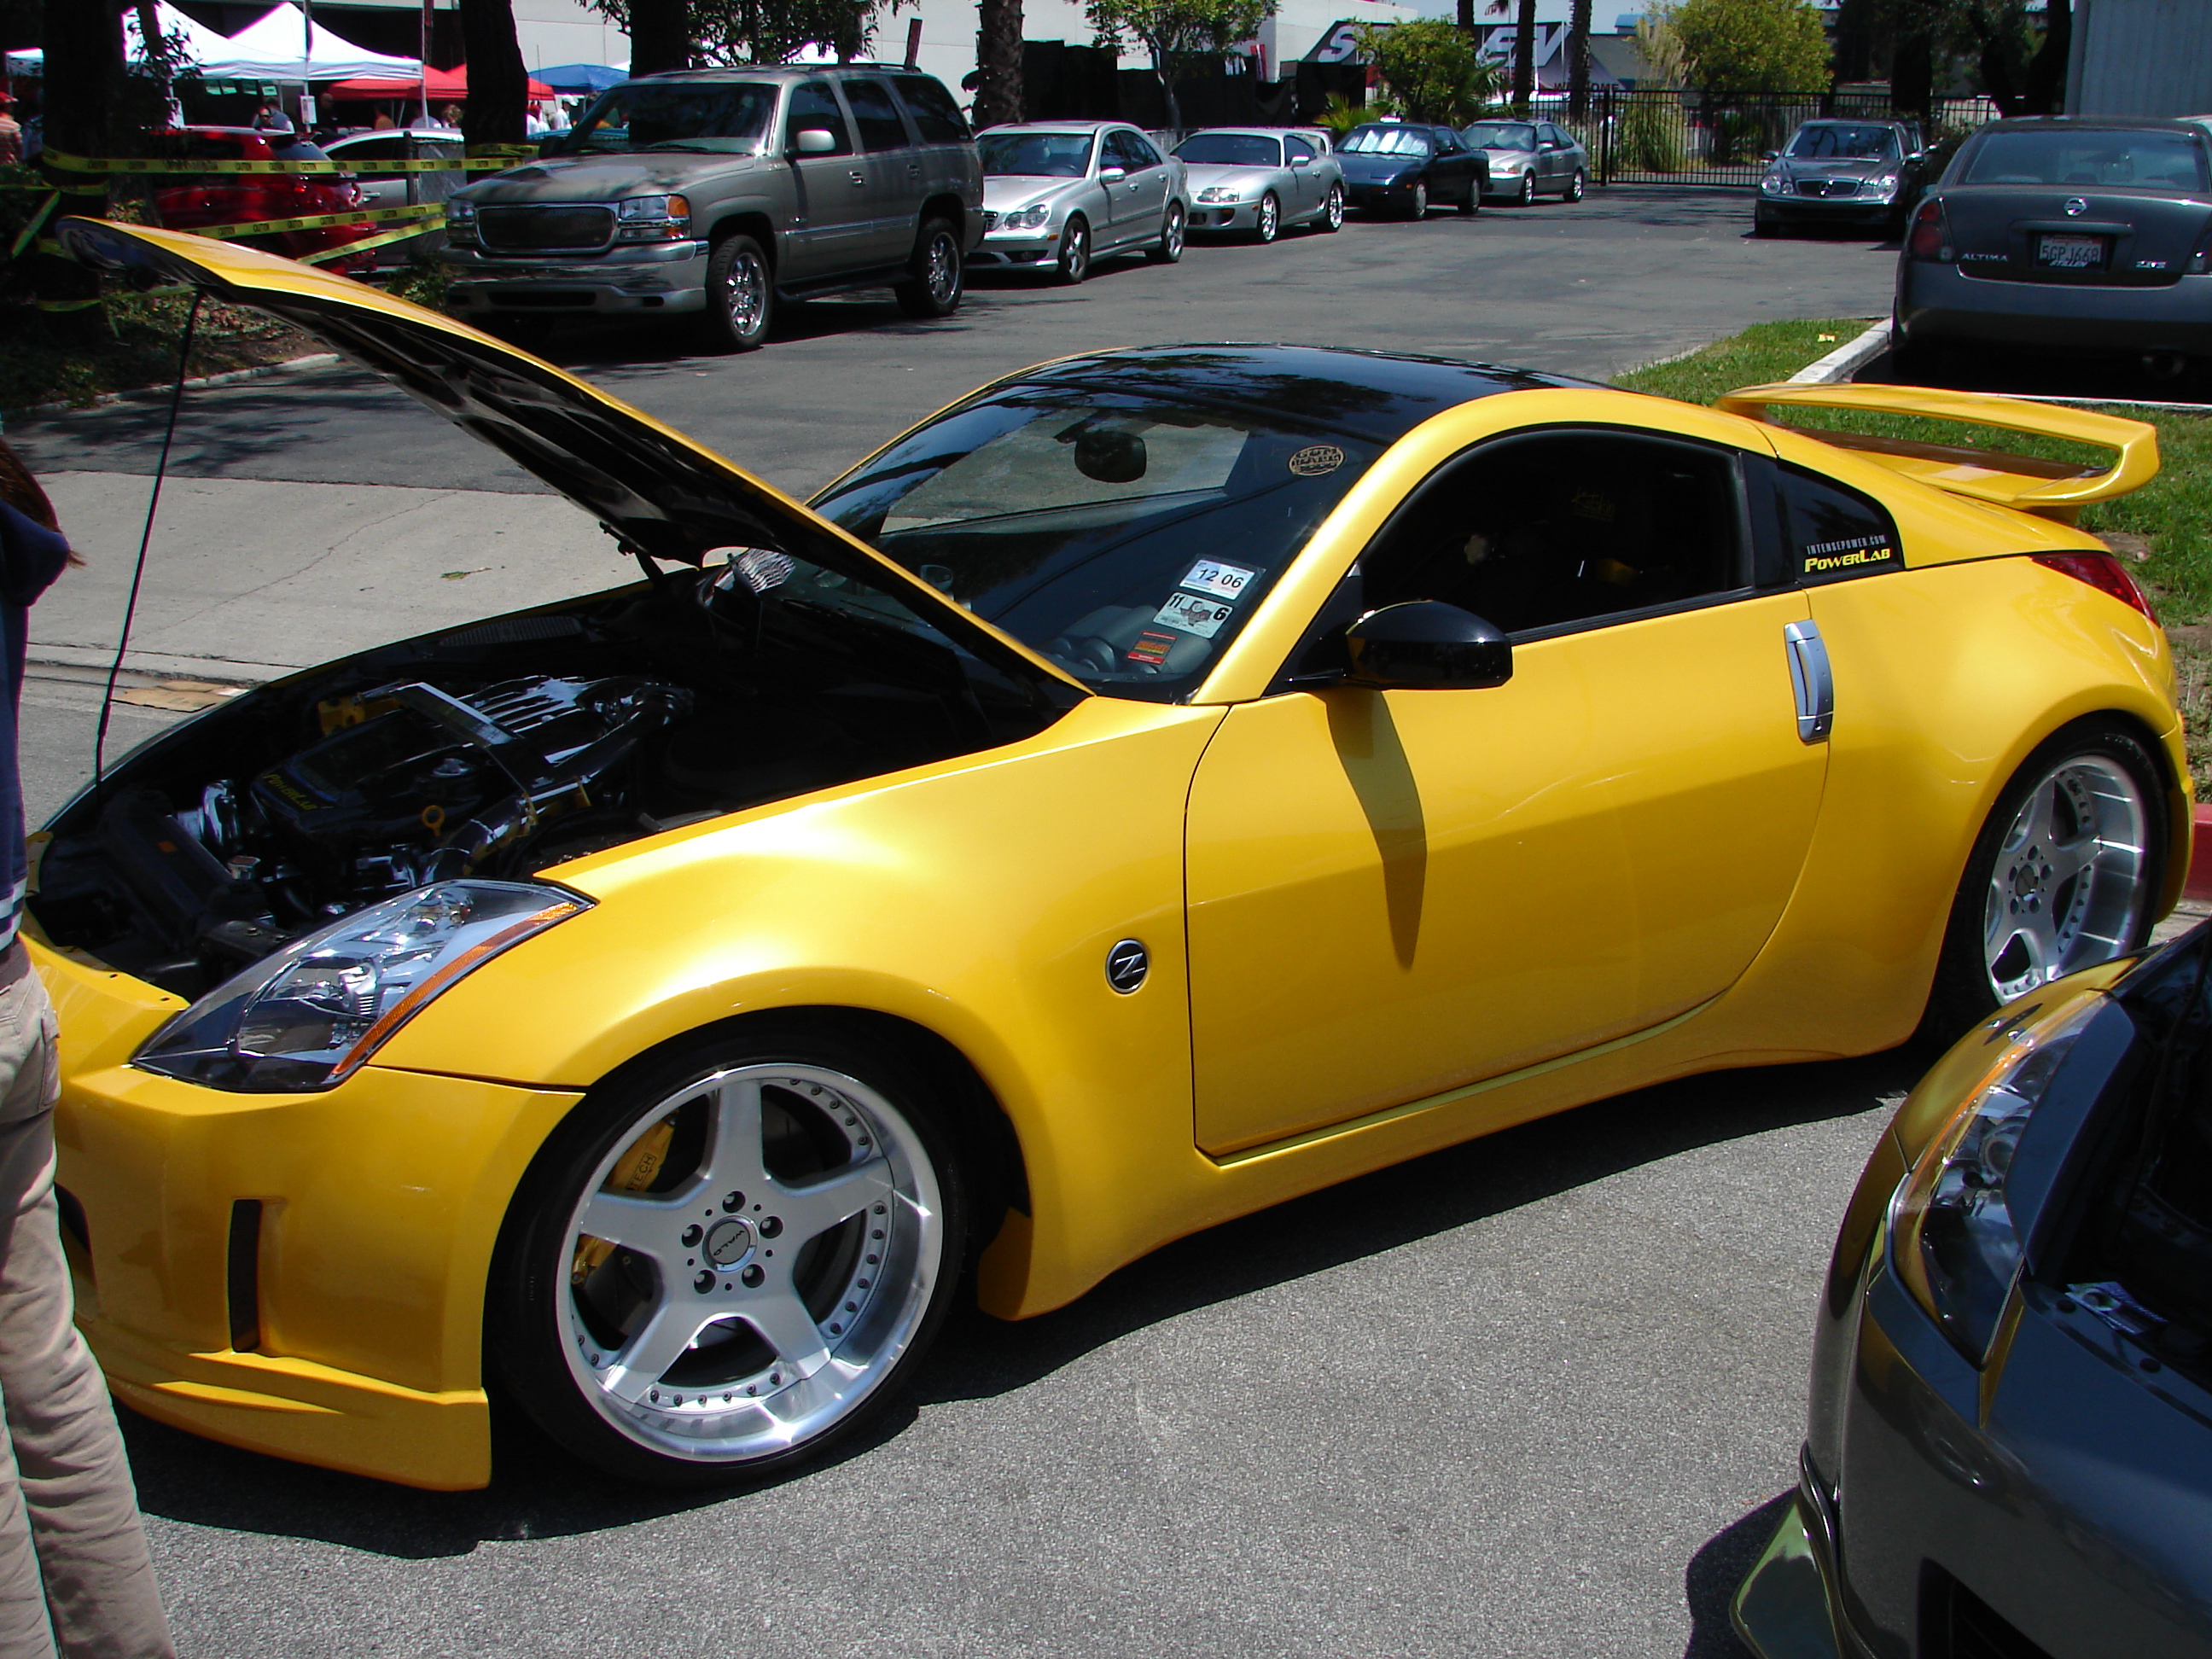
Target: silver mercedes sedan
1059	196
1528	159
1260	180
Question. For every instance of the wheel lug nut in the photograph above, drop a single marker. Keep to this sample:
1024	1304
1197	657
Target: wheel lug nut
705	1281
733	1201
771	1227
752	1277
691	1236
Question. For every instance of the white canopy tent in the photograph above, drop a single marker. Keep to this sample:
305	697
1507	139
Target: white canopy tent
200	41
276	49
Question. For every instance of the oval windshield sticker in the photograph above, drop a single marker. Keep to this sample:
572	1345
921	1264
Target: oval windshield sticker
1317	459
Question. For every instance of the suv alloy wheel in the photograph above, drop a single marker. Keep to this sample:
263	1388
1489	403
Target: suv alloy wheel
933	289
740	295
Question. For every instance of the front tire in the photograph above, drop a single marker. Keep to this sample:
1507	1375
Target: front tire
1268	223
934	285
1332	216
1169	248
2063	875
1418	207
732	1258
1527	198
1074	260
1471	204
740	295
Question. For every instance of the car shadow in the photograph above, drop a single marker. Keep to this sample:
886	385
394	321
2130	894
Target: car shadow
1715	1571
538	1490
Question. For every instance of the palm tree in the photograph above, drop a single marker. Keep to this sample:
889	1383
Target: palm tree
1578	22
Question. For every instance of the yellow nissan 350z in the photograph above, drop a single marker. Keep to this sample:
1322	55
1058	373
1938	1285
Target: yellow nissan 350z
1164	782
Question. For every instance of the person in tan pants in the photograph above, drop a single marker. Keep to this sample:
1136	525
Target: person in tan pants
74	1577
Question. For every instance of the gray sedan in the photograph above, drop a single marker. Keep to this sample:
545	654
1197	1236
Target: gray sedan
1060	195
1258	180
1528	159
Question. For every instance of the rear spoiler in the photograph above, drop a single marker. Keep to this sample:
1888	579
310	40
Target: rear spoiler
2057	490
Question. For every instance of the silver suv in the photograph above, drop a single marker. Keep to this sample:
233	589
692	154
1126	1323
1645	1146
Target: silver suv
717	192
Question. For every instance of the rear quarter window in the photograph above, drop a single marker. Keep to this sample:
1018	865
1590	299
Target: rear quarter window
1831	533
936	117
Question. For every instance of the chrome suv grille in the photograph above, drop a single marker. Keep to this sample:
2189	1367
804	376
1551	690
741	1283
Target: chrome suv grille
1827	186
546	229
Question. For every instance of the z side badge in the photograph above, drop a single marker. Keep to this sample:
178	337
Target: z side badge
1187	613
1223	581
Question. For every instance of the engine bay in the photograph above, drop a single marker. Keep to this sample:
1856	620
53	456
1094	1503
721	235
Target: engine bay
498	750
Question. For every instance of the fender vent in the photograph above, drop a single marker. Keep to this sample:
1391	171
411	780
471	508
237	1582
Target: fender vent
244	1275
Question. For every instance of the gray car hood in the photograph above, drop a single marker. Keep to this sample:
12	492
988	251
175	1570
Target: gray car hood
1204	175
1006	192
1799	167
606	178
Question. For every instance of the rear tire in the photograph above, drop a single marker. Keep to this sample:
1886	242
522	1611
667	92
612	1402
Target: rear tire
1577	186
1471	204
1332	214
2063	875
934	287
1173	230
1417	208
740	295
1073	264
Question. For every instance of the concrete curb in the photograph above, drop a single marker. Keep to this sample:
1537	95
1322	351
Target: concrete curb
86	662
141	394
1847	359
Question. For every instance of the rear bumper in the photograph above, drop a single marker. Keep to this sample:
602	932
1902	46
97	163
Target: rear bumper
1938	302
659	277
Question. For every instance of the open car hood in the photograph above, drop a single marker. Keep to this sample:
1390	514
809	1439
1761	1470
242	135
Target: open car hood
656	491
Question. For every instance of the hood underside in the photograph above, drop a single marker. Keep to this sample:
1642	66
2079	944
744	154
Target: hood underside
657	492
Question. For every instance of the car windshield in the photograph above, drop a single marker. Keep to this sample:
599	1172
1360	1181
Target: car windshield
1125	535
2071	158
1500	135
732	117
1386	140
1844	144
1035	155
1231	149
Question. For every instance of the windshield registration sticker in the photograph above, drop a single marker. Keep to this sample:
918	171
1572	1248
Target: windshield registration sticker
1316	459
1223	581
1188	614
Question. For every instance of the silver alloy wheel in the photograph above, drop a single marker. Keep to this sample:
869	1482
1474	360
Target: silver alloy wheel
2068	890
1528	190
1270	217
940	272
752	1301
745	294
1074	251
1421	199
1333	215
1575	186
1171	237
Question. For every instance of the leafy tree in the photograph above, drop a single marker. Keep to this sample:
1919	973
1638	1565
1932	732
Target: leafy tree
747	30
1753	46
1176	30
1432	69
2018	56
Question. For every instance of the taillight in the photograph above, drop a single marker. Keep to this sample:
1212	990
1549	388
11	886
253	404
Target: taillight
1930	238
2200	257
2101	571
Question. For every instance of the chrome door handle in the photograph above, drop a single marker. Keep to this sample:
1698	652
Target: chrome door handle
1811	680
857	176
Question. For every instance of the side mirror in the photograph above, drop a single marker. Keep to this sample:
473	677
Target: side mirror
1112	175
1768	155
1302	160
813	141
1426	645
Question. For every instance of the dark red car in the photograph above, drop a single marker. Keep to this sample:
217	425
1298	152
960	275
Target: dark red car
191	202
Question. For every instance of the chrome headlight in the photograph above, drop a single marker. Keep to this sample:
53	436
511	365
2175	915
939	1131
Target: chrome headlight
1028	218
460	220
1504	165
1885	186
1774	184
307	1017
1219	193
652	218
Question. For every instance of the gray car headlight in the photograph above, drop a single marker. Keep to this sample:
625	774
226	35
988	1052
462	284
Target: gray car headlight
1028	218
309	1016
460	220
1774	185
1500	166
1885	186
1219	193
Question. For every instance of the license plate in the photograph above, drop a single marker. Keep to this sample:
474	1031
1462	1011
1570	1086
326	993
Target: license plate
2070	253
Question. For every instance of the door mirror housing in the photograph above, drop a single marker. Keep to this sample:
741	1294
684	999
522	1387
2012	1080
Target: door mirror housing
1768	155
1427	645
1112	175
813	141
1301	161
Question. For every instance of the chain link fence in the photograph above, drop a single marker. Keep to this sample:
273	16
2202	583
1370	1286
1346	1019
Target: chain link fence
1654	135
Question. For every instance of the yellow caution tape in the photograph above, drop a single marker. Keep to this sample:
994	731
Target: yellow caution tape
399	235
316	221
483	161
23	240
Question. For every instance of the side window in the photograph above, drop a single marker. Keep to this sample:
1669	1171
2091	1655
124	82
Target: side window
1829	532
1558	528
1137	154
1296	149
813	103
936	116
875	116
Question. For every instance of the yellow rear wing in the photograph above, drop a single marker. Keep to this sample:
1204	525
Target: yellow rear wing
2056	488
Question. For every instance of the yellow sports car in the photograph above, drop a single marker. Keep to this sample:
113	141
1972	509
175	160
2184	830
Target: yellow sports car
1163	783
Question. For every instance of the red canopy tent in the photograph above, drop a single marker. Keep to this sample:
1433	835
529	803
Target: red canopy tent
444	86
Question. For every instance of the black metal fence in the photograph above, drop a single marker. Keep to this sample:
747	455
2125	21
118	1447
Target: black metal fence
1665	137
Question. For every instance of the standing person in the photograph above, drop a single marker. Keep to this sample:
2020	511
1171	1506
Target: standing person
11	132
269	118
74	1577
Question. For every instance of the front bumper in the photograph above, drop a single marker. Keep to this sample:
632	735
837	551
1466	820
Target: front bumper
1786	1607
1377	196
1936	303
1040	247
341	1321
1224	215
648	276
1829	210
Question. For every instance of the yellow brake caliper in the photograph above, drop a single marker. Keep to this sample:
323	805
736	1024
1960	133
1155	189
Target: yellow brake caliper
634	1172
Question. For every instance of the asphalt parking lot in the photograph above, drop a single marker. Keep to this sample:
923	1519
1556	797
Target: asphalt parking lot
1539	1395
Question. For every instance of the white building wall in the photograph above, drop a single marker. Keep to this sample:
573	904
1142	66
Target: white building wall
567	32
2141	57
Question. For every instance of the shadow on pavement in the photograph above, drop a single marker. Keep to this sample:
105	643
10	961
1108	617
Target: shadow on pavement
538	1491
1714	1573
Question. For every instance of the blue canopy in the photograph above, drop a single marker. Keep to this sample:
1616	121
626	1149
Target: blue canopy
573	78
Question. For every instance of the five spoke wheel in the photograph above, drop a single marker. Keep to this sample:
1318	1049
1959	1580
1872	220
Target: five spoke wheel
2067	889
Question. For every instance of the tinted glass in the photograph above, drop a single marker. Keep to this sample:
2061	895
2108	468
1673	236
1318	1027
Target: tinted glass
1293	148
937	117
1130	152
668	115
1501	135
1232	149
814	104
2074	158
1124	534
1833	532
1141	148
875	116
391	147
1545	532
1035	155
1841	143
1386	140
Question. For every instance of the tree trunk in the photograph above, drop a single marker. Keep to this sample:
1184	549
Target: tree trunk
1163	66
1912	72
1467	15
1578	26
1524	56
498	89
999	63
2047	70
84	64
660	36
